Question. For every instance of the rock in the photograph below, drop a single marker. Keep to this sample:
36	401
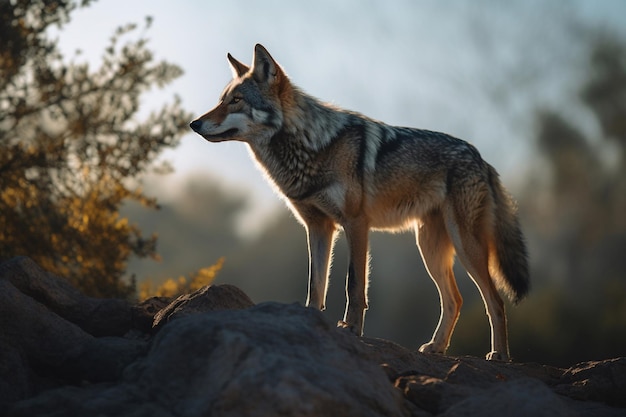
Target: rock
519	397
433	394
15	376
42	349
208	298
36	342
213	353
284	359
98	317
143	313
439	384
603	381
271	359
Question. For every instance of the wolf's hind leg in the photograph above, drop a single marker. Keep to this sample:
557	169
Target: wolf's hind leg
471	248
438	255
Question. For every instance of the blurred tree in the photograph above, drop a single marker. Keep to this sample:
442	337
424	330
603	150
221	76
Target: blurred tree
71	147
575	215
582	209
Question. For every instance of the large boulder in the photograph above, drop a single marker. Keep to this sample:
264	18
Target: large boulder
271	359
41	349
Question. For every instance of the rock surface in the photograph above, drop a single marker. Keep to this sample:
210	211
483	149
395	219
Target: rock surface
213	353
98	317
210	298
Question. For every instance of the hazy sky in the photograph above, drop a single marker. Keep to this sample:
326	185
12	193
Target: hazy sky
474	69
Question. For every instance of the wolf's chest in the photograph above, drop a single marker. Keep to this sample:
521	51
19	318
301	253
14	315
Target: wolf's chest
296	173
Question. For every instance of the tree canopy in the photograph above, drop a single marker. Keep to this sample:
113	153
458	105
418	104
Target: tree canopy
72	146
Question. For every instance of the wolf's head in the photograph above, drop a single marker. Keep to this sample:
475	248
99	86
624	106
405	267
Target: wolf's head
250	108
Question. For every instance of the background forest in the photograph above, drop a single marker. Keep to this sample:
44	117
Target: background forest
80	169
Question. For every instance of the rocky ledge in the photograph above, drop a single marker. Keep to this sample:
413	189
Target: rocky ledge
215	353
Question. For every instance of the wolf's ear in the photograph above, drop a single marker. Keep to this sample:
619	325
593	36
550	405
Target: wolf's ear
264	68
237	67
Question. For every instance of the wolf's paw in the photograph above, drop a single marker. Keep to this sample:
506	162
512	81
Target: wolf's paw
345	326
494	355
431	347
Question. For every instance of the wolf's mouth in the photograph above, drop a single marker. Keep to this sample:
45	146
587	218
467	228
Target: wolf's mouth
226	134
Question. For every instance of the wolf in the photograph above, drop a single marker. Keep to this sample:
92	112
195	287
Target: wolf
340	170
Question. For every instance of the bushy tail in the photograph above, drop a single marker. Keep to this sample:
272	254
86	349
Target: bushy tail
508	262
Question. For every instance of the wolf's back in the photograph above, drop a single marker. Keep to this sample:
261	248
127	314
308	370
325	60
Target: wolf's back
509	266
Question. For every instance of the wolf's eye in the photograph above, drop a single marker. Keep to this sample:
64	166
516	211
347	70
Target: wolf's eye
235	100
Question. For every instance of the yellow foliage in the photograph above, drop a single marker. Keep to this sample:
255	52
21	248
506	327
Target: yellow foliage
168	289
182	285
206	276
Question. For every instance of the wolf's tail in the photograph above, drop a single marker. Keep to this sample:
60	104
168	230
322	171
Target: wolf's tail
508	260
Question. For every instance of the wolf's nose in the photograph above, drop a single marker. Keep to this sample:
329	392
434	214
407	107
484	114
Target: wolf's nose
195	125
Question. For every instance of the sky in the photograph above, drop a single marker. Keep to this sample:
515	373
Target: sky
473	69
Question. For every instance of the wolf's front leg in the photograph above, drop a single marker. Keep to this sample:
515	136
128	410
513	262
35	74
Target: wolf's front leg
356	282
320	237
